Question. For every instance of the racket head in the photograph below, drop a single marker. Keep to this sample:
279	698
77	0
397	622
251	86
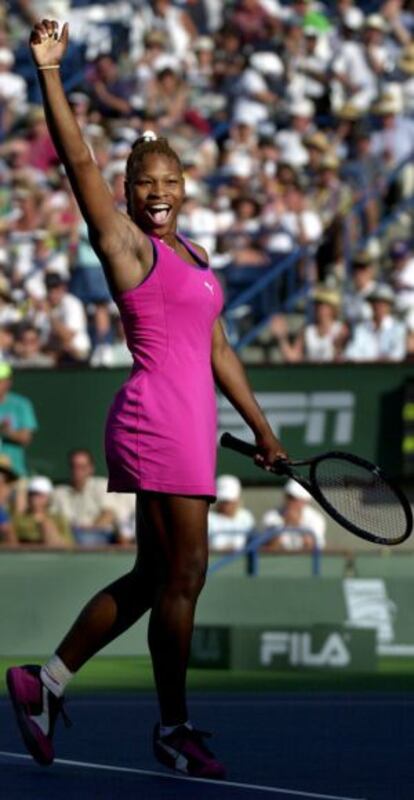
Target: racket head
361	497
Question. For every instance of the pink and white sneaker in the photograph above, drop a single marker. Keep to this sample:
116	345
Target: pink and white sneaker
36	710
185	751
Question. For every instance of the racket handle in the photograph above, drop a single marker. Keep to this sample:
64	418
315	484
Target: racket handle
281	466
233	443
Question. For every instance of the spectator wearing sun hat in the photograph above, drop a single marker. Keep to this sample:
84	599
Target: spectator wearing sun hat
393	140
229	523
382	338
17	422
37	524
296	512
320	340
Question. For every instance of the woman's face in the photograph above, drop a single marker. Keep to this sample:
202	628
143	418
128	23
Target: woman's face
156	194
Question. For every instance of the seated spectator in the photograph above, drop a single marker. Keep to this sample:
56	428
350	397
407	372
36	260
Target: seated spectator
319	341
296	512
393	143
66	320
167	96
384	337
113	353
355	305
13	88
17	421
28	349
8	479
402	276
229	524
110	91
332	198
84	502
38	524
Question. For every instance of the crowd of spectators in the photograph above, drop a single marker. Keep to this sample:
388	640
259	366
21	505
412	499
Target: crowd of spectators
287	116
81	514
295	125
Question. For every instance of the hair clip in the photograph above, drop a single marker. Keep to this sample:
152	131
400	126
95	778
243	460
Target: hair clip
149	136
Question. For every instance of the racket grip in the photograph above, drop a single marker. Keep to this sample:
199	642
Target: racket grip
233	443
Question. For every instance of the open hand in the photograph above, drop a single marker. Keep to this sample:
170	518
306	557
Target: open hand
47	46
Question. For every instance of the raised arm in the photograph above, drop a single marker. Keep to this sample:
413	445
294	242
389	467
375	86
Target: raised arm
125	251
232	380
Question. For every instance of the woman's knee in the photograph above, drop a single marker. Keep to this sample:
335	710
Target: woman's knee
187	577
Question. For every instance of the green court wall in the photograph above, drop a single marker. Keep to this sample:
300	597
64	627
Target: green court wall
40	594
313	408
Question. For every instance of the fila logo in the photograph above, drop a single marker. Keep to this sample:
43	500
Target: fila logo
299	649
209	286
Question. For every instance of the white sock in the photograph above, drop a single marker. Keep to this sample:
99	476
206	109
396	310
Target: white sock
55	676
165	730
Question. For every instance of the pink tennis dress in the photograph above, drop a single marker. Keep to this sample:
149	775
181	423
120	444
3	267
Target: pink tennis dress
161	427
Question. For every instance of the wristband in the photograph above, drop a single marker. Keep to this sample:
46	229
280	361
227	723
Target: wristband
49	66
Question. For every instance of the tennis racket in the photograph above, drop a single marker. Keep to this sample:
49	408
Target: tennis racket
354	492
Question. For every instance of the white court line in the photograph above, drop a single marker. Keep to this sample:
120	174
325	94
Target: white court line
154	773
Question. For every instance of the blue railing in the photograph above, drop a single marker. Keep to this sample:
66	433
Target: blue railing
271	275
252	552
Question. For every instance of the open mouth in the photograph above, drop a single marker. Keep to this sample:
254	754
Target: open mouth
159	213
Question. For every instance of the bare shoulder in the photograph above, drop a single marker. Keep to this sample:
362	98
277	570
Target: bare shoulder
200	250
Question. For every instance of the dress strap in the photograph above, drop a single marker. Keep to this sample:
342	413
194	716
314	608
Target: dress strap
191	249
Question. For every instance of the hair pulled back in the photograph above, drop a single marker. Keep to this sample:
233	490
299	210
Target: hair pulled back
146	145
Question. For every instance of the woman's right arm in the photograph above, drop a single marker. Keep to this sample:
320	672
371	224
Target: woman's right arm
125	250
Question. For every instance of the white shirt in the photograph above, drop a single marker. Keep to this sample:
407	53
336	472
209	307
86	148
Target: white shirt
311	520
321	347
355	306
13	90
403	283
71	313
82	507
229	533
369	343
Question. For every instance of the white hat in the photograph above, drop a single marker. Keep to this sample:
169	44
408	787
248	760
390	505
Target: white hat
6	57
353	18
228	487
377	22
203	43
294	489
383	292
302	107
267	62
40	484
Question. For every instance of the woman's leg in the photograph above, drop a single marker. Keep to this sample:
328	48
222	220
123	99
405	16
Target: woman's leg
181	528
114	609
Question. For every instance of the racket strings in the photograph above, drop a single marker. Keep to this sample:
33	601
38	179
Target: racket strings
363	497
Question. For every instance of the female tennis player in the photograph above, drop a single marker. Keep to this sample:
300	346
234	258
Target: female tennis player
161	428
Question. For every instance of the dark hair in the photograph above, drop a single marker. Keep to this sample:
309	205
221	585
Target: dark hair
81	451
144	147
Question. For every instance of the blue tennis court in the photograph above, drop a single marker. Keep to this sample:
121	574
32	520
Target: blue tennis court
321	746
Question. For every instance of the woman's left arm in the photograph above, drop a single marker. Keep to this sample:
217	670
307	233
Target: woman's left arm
232	380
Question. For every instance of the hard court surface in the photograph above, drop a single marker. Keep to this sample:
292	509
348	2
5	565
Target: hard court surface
290	747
